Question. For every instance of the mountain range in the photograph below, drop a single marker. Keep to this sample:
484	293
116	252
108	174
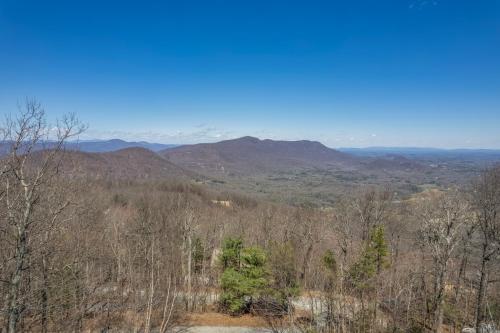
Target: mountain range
95	146
274	168
427	153
100	146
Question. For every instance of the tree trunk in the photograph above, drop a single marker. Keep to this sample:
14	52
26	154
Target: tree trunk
44	294
189	274
305	264
439	300
482	289
14	308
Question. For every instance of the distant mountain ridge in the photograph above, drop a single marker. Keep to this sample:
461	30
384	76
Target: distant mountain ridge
418	149
465	154
97	146
266	167
249	155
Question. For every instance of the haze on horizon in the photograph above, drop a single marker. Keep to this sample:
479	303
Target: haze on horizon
348	74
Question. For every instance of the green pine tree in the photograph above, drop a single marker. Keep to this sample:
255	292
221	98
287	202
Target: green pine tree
372	260
244	277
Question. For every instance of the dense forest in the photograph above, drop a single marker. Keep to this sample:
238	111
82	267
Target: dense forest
81	254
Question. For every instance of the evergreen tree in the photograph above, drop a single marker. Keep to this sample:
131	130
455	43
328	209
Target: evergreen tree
231	253
244	277
372	260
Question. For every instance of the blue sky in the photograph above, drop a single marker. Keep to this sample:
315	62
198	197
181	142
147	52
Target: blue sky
347	73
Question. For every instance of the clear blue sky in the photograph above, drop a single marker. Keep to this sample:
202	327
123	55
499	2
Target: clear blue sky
347	73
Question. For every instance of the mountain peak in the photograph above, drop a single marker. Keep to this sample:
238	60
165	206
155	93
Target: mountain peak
251	139
247	138
250	155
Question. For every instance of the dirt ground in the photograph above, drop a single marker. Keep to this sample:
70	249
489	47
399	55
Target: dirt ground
219	319
220	329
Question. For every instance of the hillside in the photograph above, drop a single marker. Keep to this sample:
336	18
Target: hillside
129	163
251	156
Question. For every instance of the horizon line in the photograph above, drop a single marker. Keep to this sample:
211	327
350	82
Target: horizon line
288	140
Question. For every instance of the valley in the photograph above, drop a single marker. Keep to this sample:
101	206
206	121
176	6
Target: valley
296	173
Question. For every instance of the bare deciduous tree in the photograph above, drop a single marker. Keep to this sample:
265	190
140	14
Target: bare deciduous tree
27	175
443	221
486	199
